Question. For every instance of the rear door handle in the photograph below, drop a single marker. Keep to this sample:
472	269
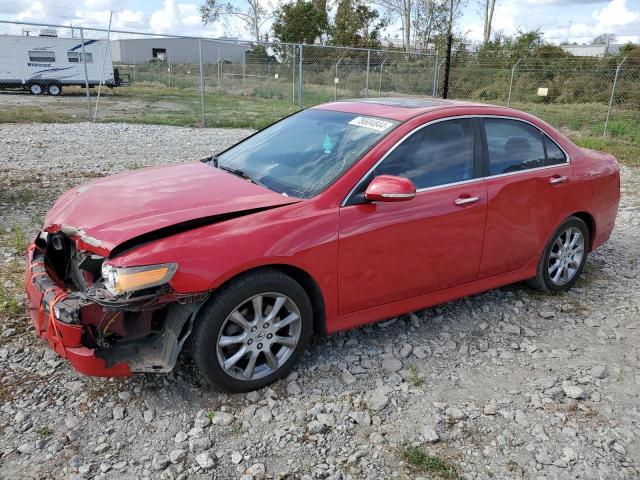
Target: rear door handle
460	201
557	179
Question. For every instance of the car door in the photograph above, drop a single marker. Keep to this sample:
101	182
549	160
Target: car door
528	183
394	251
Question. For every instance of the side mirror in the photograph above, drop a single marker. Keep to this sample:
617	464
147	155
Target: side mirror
388	188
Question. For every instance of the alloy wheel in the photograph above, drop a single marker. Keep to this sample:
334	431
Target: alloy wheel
566	256
259	336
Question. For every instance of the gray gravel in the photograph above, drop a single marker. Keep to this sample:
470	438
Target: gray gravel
508	384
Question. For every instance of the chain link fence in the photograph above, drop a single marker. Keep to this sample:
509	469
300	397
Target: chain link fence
62	73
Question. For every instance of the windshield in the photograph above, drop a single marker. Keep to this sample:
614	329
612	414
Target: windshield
303	154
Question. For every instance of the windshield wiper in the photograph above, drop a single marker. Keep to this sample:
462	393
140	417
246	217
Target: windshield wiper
240	173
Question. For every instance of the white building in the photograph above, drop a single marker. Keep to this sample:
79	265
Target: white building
176	50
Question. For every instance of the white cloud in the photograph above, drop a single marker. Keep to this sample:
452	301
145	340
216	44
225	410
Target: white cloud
615	14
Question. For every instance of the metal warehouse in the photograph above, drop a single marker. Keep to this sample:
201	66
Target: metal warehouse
176	50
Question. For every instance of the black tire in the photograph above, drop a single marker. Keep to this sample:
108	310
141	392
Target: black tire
543	280
36	89
212	317
54	89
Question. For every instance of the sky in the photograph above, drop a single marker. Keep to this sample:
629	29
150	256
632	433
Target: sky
577	20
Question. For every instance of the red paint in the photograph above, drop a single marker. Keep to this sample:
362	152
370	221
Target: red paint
370	261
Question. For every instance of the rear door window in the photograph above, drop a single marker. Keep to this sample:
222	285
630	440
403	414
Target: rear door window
513	146
555	155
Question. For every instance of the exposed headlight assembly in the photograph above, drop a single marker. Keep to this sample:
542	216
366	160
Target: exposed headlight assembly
119	280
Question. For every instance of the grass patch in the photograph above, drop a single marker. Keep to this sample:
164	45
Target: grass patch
29	114
19	194
423	462
18	239
626	152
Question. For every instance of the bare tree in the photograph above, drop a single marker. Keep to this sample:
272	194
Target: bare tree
488	7
252	13
403	10
604	39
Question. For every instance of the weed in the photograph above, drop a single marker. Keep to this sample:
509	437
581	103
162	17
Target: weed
415	380
44	432
211	415
8	304
424	462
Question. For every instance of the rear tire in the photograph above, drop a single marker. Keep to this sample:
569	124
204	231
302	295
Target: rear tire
54	89
563	258
239	344
36	89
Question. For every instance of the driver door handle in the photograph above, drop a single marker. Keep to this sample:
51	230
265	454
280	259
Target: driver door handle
460	201
557	179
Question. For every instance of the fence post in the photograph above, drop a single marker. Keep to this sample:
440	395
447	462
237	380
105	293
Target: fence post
269	76
335	80
293	75
366	83
86	75
201	81
244	70
218	69
436	68
380	79
300	87
613	93
513	72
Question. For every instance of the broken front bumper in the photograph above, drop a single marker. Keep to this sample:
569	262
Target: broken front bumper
53	310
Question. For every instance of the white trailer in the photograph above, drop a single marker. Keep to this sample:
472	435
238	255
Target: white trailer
46	63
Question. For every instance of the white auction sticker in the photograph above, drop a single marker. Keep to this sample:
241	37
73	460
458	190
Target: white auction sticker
372	123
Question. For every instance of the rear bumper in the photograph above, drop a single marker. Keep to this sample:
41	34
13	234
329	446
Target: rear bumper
44	295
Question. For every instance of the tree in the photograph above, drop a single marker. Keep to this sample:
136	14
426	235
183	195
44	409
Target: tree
299	22
404	10
604	39
254	14
355	25
431	21
488	7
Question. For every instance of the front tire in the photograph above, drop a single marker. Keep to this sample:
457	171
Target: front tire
36	89
252	332
563	258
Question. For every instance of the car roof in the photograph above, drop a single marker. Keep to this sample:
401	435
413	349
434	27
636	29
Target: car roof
397	108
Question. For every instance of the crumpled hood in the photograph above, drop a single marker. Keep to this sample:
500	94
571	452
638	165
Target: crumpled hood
111	210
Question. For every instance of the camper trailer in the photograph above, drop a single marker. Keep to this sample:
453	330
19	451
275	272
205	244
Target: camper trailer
46	63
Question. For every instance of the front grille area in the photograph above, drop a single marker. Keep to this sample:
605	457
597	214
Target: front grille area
76	270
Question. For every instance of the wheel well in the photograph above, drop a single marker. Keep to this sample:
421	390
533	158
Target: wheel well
309	285
591	225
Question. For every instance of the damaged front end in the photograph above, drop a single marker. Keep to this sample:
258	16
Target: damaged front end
99	319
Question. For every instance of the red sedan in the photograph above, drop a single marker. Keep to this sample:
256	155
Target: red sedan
337	216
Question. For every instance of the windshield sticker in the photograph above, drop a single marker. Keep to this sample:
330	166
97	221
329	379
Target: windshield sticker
327	145
372	123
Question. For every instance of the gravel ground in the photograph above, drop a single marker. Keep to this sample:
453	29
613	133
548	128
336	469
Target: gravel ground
508	384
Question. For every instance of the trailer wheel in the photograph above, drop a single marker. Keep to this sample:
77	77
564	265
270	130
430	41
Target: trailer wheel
35	89
54	89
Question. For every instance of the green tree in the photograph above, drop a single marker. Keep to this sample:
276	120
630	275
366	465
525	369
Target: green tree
300	22
356	25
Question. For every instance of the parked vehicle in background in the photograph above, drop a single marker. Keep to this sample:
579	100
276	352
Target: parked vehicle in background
337	216
46	63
